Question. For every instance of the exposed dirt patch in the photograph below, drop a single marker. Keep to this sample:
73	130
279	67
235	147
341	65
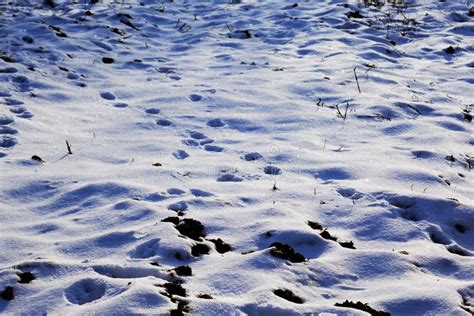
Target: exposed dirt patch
363	307
288	295
285	251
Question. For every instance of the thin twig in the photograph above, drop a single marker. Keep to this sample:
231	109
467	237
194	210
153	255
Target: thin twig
69	151
343	116
357	79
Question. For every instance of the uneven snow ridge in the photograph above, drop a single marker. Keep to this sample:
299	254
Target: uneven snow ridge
236	157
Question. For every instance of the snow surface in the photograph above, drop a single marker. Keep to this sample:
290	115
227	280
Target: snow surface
244	115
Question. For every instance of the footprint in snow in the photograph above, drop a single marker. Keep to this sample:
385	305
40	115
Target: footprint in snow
200	193
152	111
146	250
190	142
107	95
213	148
85	291
215	123
200	139
178	207
10	101
4	120
120	105
175	191
272	170
7	130
164	122
25	115
72	76
229	178
198	135
180	154
252	156
195	97
18	110
7	142
8	70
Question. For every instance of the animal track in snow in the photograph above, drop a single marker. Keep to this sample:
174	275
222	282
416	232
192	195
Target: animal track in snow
272	170
200	193
152	111
128	272
85	291
252	156
178	206
180	154
164	122
6	130
213	148
227	177
108	96
215	123
7	141
4	120
147	249
195	97
120	105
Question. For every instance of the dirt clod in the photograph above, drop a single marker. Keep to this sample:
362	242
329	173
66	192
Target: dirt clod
25	277
183	271
107	60
191	228
284	251
199	249
347	244
326	235
221	246
175	289
7	294
363	307
288	295
315	225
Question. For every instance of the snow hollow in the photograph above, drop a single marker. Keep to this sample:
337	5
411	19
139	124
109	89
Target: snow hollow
236	157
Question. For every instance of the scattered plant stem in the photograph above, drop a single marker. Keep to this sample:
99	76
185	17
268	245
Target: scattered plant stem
343	116
69	151
357	79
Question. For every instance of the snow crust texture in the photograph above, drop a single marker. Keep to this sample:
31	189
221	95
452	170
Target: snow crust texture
236	157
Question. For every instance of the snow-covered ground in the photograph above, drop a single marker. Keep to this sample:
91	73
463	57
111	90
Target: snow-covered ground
237	157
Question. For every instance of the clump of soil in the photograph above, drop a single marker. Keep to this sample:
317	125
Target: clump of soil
191	228
315	225
171	219
7	294
285	251
347	244
199	249
363	307
175	289
288	295
450	50
107	60
25	277
221	246
187	227
183	271
326	235
183	307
